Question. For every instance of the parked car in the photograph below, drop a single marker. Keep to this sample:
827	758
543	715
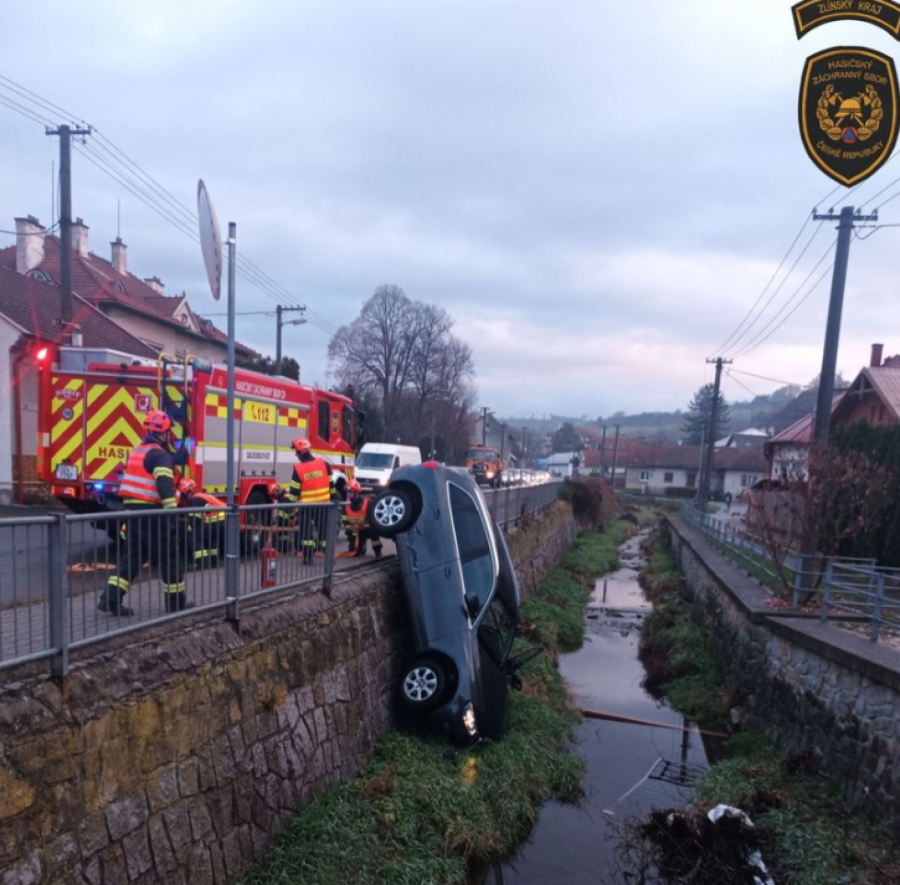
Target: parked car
463	599
377	461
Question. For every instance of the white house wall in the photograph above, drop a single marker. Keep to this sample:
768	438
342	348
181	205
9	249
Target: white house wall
652	480
9	335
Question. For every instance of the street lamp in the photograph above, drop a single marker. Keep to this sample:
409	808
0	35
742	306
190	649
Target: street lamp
280	324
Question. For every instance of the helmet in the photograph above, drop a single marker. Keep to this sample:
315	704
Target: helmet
302	445
354	486
157	422
187	486
275	491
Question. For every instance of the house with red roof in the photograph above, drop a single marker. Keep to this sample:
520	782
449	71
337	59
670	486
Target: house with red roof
873	397
165	323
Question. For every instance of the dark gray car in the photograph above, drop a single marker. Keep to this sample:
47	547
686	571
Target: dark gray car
463	600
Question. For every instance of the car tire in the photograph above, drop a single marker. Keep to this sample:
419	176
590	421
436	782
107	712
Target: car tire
423	684
392	512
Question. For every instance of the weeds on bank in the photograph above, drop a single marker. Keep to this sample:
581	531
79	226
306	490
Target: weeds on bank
414	816
597	551
675	648
808	835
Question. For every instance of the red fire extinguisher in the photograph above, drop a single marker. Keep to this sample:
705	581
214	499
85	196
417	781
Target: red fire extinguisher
268	556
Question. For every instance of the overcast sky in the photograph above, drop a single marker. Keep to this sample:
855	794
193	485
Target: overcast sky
596	191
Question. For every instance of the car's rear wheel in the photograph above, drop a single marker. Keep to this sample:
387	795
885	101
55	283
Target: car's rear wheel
423	685
392	513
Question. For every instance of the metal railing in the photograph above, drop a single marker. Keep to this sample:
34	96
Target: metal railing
511	504
63	575
839	588
69	580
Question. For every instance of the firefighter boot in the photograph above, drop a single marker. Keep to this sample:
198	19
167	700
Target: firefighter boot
177	602
111	601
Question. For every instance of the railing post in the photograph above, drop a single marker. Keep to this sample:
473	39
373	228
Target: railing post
876	612
58	590
232	561
795	589
826	589
330	543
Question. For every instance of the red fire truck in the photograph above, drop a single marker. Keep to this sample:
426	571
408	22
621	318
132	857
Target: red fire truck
93	403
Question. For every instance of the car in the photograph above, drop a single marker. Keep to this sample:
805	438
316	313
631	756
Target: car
463	599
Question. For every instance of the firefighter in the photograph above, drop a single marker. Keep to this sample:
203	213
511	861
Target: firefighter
204	530
356	512
311	483
148	484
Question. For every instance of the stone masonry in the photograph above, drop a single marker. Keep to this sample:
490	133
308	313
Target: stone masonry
812	687
175	756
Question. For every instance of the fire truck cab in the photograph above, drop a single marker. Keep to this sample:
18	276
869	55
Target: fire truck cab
92	408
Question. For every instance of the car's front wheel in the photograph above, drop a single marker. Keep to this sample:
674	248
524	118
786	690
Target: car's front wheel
392	513
423	684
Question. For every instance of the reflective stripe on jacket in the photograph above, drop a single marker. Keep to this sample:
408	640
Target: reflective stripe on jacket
356	519
139	484
311	482
202	499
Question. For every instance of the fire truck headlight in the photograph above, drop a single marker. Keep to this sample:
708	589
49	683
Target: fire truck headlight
490	474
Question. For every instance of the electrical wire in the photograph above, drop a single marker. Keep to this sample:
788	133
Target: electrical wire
757	343
778	288
741	384
104	154
767	378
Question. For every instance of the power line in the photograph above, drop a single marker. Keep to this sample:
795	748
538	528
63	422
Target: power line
741	384
767	378
754	344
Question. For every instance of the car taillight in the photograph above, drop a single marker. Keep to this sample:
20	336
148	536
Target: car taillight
431	465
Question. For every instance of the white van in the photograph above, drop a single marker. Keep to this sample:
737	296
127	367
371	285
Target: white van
377	461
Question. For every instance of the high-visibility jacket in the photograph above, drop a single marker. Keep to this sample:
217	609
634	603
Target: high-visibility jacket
311	482
149	477
356	519
202	499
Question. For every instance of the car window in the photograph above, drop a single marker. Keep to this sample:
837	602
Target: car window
324	409
348	425
396	461
474	549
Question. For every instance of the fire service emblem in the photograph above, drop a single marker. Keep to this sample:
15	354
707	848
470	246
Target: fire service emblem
848	111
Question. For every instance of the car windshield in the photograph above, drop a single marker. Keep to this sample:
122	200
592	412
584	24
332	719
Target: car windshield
480	455
371	459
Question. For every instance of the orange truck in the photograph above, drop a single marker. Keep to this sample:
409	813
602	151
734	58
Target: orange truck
485	465
92	408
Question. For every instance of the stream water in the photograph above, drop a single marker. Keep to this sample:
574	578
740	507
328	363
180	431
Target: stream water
630	769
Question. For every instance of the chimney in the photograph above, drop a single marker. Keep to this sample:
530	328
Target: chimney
80	237
29	244
875	360
156	284
119	255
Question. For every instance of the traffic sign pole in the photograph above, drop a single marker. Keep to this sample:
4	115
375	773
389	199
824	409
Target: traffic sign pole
232	519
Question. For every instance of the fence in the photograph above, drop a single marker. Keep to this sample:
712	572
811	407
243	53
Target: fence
511	504
59	572
844	589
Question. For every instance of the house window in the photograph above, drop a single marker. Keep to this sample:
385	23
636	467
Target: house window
669	477
39	275
691	480
645	476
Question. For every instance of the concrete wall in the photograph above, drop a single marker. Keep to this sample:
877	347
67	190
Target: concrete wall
176	757
811	686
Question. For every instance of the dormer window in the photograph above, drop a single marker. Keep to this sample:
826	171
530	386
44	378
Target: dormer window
118	287
39	275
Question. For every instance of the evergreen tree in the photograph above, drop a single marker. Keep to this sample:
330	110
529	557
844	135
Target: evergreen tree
699	413
566	439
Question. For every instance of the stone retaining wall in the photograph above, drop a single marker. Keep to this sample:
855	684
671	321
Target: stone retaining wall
175	757
812	687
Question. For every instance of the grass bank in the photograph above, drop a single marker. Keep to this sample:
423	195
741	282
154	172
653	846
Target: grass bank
808	835
415	816
675	650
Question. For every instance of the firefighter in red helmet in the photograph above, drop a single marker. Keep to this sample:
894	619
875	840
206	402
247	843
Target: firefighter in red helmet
148	484
311	483
204	528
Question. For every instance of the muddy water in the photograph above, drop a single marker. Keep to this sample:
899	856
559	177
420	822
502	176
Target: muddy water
630	769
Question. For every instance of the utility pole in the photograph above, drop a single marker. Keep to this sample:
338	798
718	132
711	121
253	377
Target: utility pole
502	438
602	450
615	457
484	420
706	465
835	307
65	134
280	310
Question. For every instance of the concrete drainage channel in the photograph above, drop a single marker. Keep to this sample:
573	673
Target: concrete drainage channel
631	769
